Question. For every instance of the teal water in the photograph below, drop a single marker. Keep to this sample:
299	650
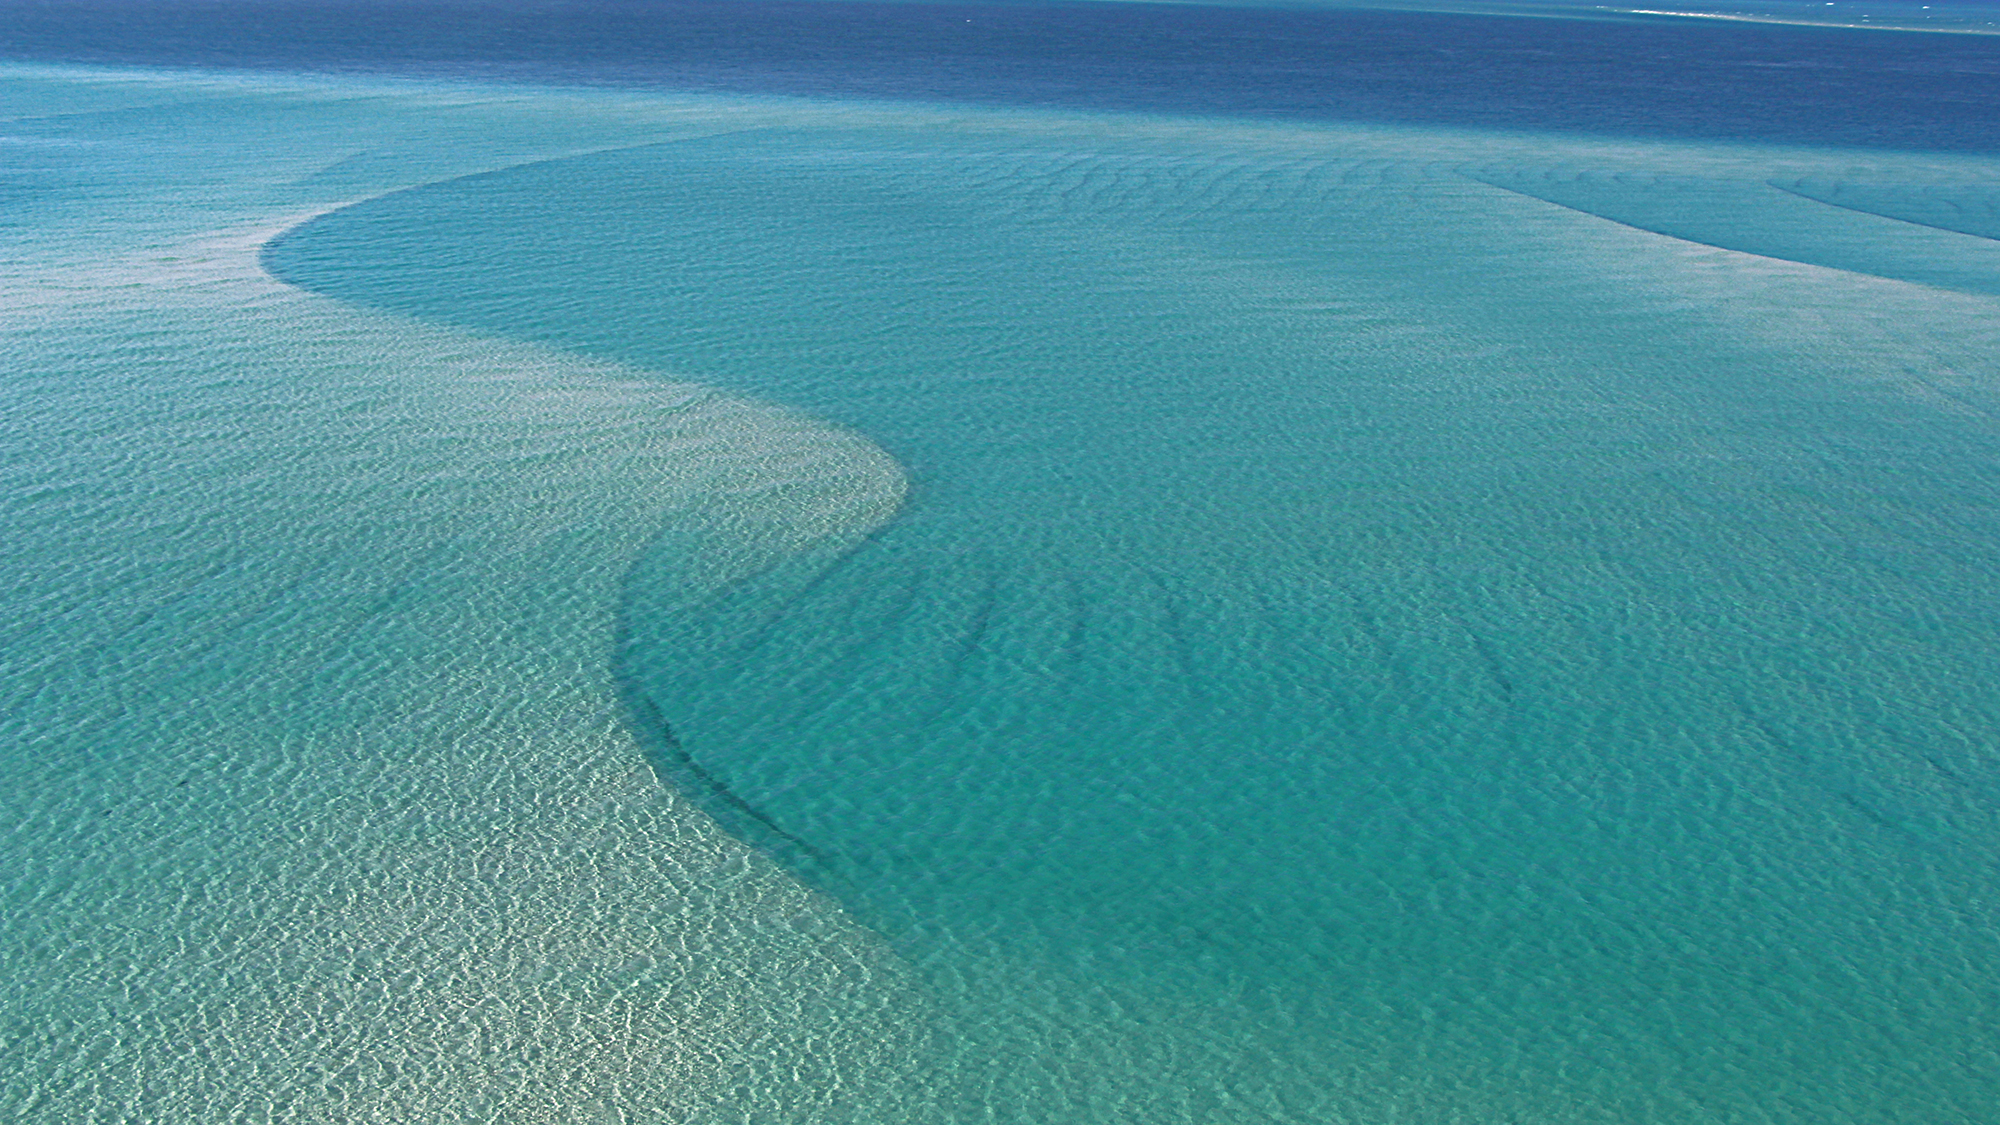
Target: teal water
319	804
1212	622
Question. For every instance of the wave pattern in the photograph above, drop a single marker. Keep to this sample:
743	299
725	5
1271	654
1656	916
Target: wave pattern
1968	208
1844	226
316	800
1362	644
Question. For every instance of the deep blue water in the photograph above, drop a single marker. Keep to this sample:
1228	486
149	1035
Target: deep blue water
1636	77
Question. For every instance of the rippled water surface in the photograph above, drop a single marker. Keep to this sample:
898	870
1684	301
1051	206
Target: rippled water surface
319	801
545	604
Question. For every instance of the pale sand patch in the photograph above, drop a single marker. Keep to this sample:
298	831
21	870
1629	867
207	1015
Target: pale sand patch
391	852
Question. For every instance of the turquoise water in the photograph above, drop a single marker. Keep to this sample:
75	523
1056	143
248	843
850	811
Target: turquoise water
319	802
1171	620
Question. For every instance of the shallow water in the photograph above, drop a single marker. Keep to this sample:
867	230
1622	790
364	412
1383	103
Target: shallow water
319	801
1212	621
1340	593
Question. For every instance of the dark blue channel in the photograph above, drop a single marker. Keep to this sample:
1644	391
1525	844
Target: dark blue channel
1625	76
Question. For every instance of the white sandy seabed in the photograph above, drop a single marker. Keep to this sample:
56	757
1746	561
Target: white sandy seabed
319	804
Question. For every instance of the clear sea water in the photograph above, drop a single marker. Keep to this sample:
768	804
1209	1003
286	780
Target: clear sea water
824	563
